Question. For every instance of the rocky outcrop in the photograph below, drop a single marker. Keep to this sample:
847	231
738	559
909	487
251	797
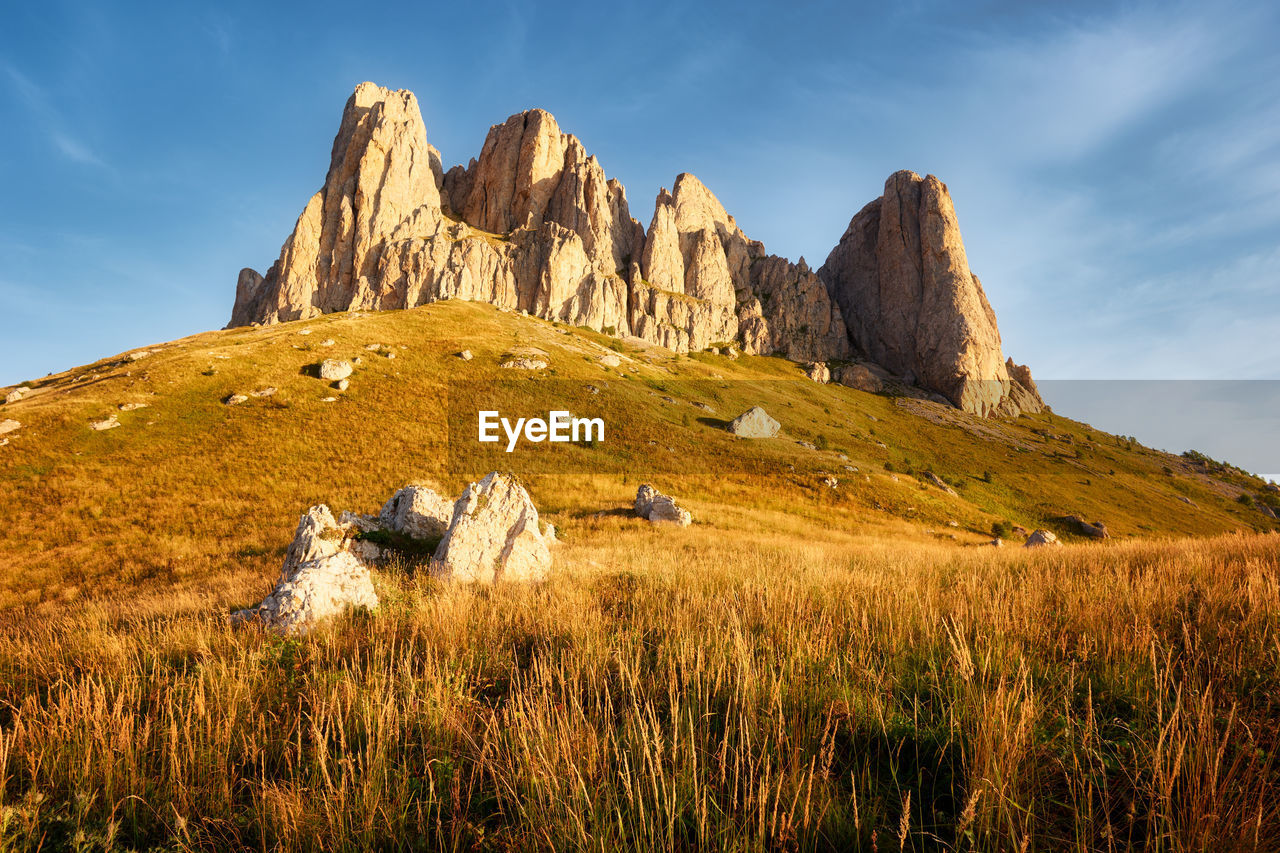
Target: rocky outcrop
1090	529
656	507
732	290
902	280
860	377
490	533
248	298
1042	539
533	224
379	175
754	423
494	535
417	512
818	372
1024	396
9	425
322	576
934	480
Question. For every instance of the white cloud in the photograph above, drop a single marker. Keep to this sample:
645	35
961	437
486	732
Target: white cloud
40	104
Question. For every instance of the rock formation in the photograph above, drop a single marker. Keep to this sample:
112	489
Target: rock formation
493	536
491	533
754	423
322	576
656	507
902	280
533	224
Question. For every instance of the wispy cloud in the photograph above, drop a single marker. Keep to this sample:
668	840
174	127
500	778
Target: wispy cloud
50	121
74	149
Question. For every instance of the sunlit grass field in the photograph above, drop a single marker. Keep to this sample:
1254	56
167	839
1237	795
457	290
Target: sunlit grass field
677	690
804	668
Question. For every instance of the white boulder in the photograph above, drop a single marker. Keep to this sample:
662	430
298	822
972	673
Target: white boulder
754	423
321	577
494	535
418	512
331	369
653	505
1042	539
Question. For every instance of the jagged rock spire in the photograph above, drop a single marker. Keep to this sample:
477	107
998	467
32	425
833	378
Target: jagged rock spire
534	224
901	278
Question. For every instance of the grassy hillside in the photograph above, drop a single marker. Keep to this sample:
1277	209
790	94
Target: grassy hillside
189	491
802	668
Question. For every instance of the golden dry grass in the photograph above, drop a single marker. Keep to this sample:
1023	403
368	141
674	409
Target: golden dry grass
802	668
677	690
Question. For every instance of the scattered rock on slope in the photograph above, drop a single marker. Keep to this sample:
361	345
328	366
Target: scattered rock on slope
934	479
16	394
106	423
1094	530
322	576
1041	539
493	536
754	423
524	363
657	507
818	371
418	512
332	370
859	377
9	425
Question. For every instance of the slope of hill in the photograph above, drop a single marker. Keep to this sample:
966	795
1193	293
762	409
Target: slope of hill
805	667
189	487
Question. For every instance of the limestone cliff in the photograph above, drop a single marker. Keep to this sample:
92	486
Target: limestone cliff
902	280
534	224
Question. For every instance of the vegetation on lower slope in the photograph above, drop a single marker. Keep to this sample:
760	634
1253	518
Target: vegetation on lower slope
676	689
802	668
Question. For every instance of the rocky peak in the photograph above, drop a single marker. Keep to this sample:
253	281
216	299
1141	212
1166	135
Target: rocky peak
379	174
518	170
534	224
695	248
901	278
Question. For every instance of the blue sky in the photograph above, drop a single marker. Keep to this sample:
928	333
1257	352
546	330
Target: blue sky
1115	167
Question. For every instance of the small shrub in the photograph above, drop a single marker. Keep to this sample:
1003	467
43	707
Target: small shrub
1001	530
